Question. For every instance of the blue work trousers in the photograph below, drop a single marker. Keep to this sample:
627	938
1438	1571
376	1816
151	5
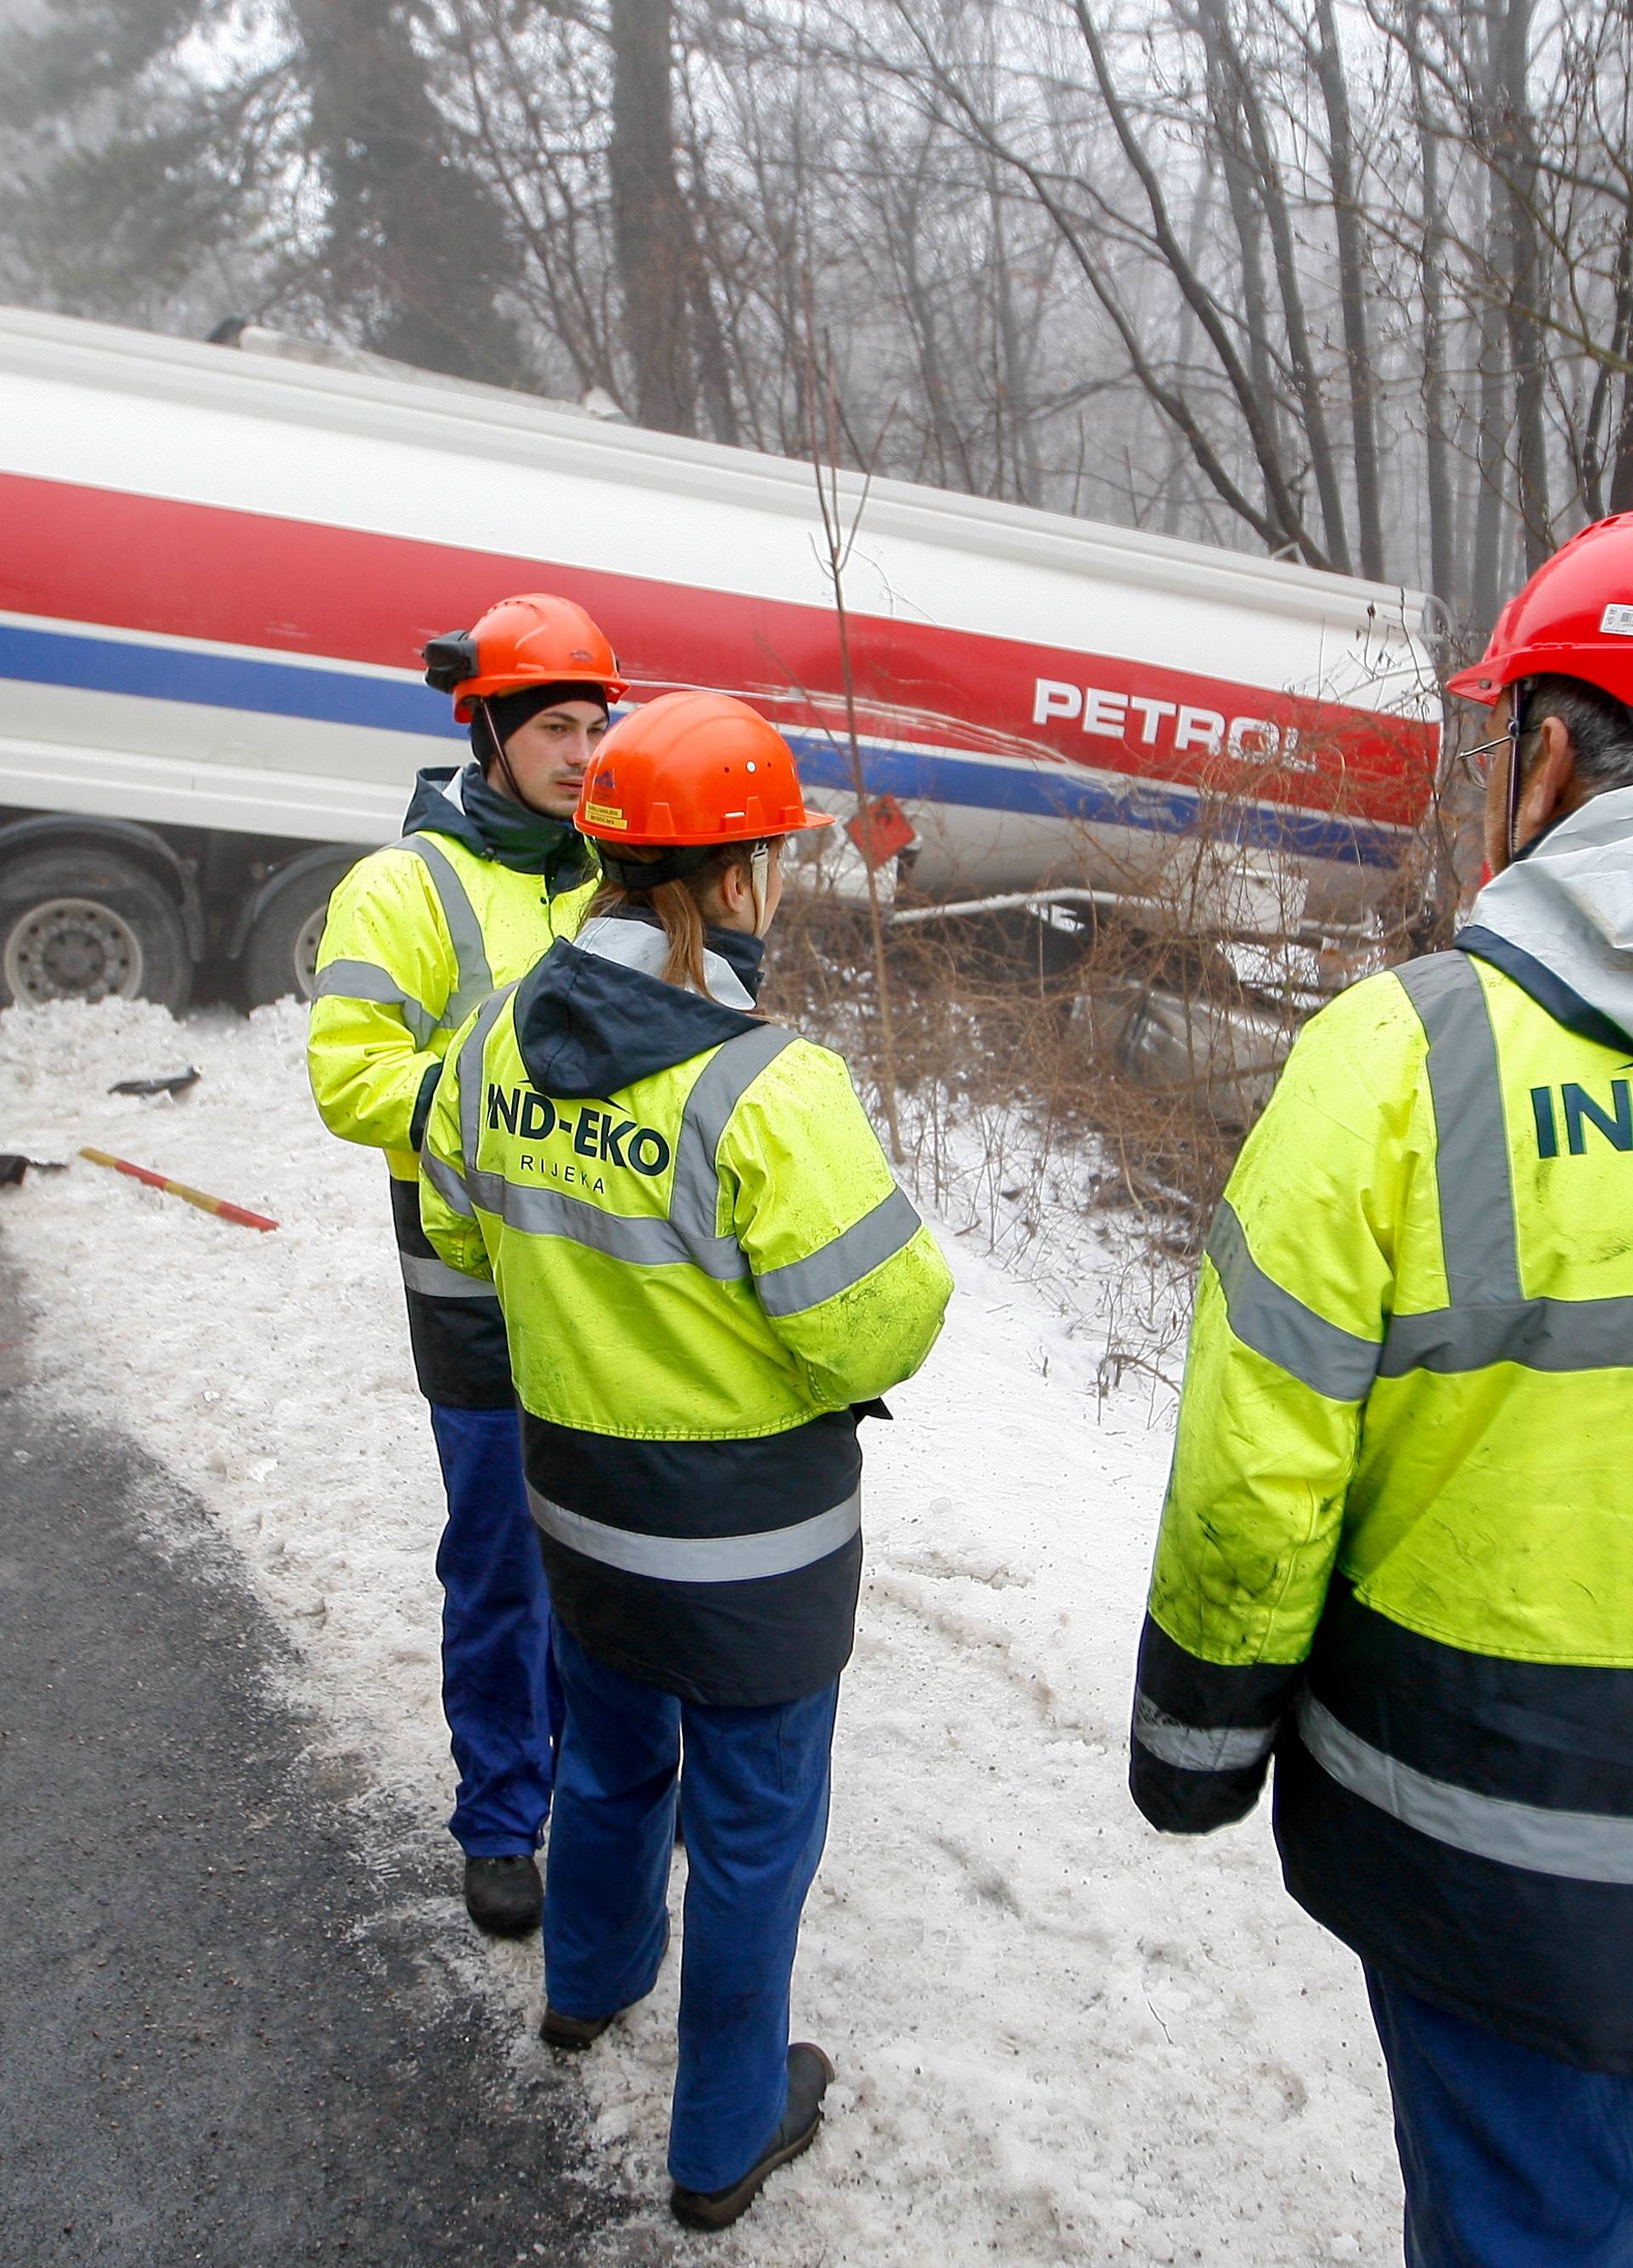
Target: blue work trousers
499	1690
1511	2159
755	1813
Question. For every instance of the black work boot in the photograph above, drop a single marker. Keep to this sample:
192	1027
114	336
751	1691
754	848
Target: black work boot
575	2033
809	2071
504	1896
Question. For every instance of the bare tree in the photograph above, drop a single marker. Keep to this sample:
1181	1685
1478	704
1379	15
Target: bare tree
1352	285
652	231
412	243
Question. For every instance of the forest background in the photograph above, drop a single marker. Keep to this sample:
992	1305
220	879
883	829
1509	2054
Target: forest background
1348	282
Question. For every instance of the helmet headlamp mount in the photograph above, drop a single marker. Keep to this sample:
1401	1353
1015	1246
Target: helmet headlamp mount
450	660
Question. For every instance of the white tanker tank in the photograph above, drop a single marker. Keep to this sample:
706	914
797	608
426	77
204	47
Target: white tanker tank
218	567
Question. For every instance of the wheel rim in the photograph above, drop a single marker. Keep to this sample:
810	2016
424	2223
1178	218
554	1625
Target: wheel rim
308	938
72	949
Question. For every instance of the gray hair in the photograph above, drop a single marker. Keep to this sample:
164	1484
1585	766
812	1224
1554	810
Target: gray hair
1601	728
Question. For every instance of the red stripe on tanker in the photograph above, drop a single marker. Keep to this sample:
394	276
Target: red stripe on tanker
342	594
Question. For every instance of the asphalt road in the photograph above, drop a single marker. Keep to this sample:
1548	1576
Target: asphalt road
218	2040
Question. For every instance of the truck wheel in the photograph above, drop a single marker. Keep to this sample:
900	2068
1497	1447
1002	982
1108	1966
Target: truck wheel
281	952
89	925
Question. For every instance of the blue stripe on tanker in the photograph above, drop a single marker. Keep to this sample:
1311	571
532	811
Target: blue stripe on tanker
1094	799
223	680
339	696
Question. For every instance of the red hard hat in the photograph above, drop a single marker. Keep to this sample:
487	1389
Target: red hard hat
534	639
693	768
1573	619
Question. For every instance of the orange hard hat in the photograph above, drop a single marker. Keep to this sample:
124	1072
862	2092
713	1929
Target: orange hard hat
1574	618
693	769
534	639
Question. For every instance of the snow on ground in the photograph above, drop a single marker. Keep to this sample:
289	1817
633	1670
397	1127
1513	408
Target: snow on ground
1061	2038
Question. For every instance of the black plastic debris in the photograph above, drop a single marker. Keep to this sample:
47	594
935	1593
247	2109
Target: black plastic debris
175	1082
13	1165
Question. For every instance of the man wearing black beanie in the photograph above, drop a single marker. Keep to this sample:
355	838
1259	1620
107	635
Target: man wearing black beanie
532	745
489	872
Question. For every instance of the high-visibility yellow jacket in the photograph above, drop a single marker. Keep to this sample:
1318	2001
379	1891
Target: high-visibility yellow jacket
702	1194
1398	1540
418	936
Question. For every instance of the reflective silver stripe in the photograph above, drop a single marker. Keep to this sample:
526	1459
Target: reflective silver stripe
1471	1157
365	980
646	1238
1581	1846
1489	1319
695	1198
470	1072
1199	1748
448	1184
1337	1363
702	1559
420	1272
1544	1335
867	1245
470	948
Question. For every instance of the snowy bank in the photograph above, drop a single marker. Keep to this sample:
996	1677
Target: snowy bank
1060	2038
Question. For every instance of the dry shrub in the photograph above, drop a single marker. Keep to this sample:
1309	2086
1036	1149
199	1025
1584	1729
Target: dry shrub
1014	1122
1074	1082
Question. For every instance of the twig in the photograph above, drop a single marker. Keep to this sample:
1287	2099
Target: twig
840	544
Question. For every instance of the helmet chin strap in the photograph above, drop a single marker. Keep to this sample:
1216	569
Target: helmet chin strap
1516	733
759	882
504	764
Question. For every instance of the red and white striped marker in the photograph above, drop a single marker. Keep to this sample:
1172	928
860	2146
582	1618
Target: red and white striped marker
199	1197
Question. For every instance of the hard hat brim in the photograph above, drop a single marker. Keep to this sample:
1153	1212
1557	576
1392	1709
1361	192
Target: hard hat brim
1597	662
484	688
1480	681
670	839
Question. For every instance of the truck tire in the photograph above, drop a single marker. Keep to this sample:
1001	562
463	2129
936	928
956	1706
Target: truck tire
89	925
281	948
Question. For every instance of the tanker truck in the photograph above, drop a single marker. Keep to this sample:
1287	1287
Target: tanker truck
220	563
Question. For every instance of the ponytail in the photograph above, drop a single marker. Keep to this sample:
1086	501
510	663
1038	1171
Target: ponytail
677	909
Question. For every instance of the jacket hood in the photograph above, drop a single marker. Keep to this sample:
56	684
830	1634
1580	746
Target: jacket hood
1559	921
457	801
595	1015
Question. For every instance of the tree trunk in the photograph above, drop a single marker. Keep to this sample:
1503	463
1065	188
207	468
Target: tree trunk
412	242
1223	102
1196	236
650	232
1491	510
1621	495
1010	358
1352	289
1282	512
1525	280
707	250
1273	197
1437	403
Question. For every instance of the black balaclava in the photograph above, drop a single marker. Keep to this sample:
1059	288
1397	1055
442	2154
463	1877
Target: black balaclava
530	841
510	711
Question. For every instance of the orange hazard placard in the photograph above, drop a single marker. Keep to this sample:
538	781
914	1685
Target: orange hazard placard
886	830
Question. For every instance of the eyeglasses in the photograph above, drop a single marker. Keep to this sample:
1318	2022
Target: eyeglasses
1476	762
